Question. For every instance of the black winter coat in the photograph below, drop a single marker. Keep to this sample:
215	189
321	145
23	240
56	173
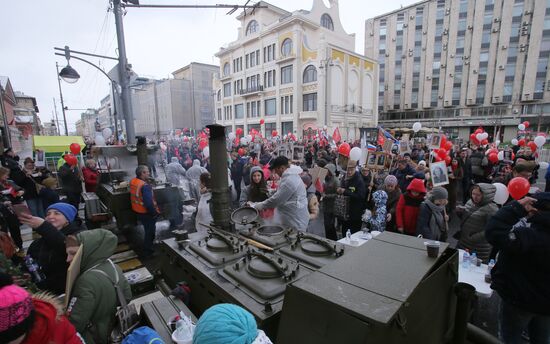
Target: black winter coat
356	190
70	179
49	253
521	275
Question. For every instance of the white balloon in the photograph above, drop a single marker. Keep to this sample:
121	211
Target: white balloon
479	136
484	135
500	155
540	141
355	153
325	127
501	194
99	140
497	142
244	141
521	126
515	142
417	126
248	137
206	152
231	136
107	132
543	165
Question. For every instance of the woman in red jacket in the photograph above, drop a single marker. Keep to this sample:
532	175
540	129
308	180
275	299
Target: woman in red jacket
408	207
91	175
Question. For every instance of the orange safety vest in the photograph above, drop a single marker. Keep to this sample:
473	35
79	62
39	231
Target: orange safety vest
136	197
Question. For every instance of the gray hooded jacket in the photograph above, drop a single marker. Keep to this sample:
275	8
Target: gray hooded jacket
174	172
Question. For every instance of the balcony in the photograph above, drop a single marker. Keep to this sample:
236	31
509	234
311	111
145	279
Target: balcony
308	115
251	91
283	59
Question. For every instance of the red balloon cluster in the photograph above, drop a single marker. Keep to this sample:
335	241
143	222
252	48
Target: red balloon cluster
70	159
75	148
518	187
274	133
533	146
203	143
442	154
344	149
239	131
241	151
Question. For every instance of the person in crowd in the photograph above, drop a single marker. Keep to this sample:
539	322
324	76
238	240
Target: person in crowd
195	171
175	173
432	218
32	319
467	174
455	182
93	301
48	251
408	207
247	163
353	187
71	183
368	181
421	167
521	276
237	173
10	194
479	162
228	323
11	162
327	200
144	204
474	216
204	217
48	193
91	175
520	169
404	174
256	191
31	185
394	193
312	201
290	199
375	220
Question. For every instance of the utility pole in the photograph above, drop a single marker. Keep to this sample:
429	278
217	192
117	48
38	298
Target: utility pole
56	119
61	98
123	74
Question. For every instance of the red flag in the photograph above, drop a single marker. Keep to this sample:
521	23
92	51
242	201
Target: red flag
336	135
319	186
381	139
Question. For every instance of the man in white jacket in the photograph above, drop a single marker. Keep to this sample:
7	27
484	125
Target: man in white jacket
290	199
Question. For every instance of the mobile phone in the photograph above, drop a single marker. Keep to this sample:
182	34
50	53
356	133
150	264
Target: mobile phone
21	209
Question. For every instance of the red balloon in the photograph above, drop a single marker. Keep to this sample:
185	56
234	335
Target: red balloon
203	144
443	141
75	148
241	151
484	142
448	160
262	122
274	133
478	131
491	151
521	142
448	145
493	158
437	158
533	146
178	132
518	187
473	137
442	153
344	149
70	159
526	124
239	131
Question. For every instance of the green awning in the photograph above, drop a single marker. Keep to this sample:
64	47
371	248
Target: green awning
54	144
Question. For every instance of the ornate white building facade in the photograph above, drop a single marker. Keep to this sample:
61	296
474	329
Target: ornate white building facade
297	71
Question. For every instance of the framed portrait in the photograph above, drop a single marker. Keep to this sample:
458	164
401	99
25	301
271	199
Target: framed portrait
404	147
298	153
435	141
381	160
282	150
39	158
388	144
371	160
507	154
438	171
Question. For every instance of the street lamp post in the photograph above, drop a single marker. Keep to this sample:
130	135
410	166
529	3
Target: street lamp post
324	65
61	96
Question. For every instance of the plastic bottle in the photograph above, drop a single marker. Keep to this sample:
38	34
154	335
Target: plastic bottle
466	259
34	269
490	267
473	260
348	234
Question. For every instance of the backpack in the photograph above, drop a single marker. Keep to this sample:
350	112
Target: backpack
143	335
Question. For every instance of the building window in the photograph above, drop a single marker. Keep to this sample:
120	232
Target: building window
239	111
286	104
269	53
286	127
326	22
269	78
226	70
269	127
227	90
286	48
270	106
219	114
253	109
286	74
310	102
237	64
219	96
252	27
310	74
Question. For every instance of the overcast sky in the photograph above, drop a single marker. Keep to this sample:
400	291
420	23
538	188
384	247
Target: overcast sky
158	41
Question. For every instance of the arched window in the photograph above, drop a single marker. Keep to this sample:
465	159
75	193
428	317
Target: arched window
226	70
252	27
286	47
310	74
326	22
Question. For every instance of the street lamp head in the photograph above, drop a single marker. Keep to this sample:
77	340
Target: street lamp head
69	74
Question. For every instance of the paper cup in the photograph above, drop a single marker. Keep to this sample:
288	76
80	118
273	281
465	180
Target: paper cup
432	247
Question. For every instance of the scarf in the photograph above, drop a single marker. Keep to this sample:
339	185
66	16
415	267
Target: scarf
258	192
437	220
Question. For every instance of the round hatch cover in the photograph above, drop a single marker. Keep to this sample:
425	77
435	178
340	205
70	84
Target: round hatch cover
314	248
244	215
216	244
260	268
270	230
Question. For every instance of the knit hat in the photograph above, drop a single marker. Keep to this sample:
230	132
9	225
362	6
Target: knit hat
352	163
422	163
49	182
390	180
225	323
306	178
438	193
331	168
417	185
66	209
16	310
